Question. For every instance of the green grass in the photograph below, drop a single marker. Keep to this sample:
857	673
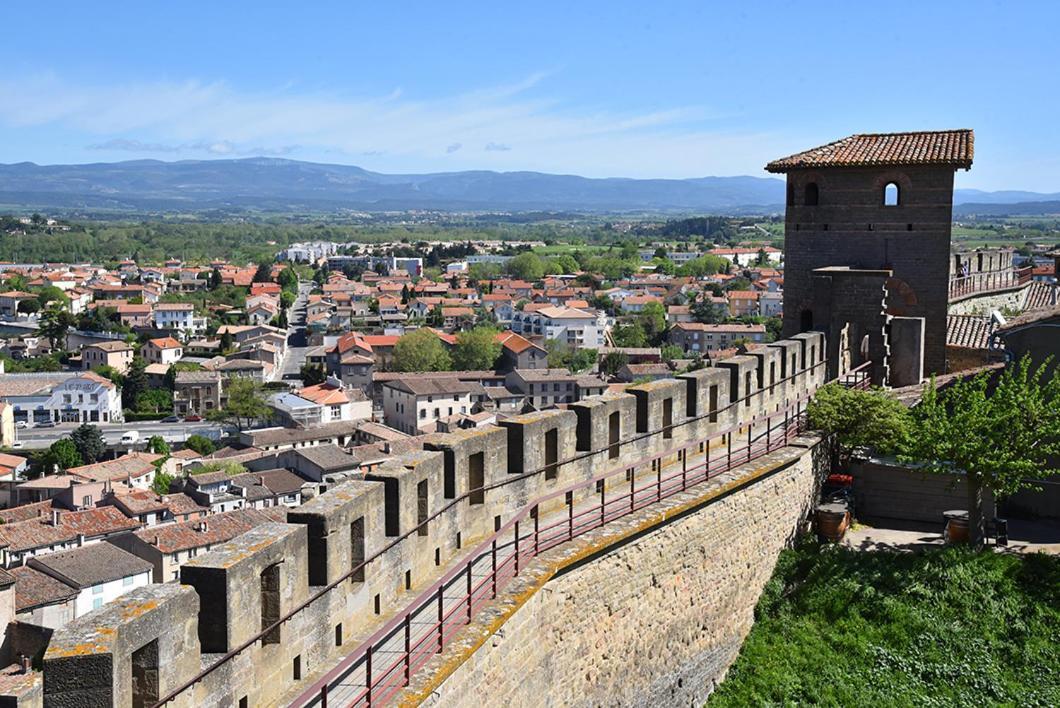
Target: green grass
941	628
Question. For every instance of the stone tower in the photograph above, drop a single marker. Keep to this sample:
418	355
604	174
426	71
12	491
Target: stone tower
874	202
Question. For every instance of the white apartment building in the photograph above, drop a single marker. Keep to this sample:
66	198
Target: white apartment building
578	328
414	406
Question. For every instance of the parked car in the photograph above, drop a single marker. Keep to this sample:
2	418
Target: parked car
193	419
129	437
170	419
21	425
47	424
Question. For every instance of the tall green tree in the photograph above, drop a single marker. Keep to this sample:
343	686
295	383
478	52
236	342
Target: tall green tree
200	444
288	280
869	419
652	319
246	403
421	350
264	272
89	443
134	383
62	454
312	374
54	324
1001	435
476	349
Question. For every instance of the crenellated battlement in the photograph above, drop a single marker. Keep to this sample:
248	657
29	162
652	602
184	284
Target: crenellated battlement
253	620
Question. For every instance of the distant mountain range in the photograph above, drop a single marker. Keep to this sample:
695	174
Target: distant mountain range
285	186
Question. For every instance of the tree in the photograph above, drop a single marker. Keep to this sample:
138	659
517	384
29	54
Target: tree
89	443
54	324
28	307
1002	432
134	383
526	266
421	350
264	273
157	445
312	374
671	352
246	403
707	311
288	280
154	400
227	341
200	444
161	483
611	362
476	349
859	418
652	319
582	360
629	334
215	279
63	454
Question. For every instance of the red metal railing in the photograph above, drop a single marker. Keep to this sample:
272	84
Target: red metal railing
860	377
405	634
989	280
410	639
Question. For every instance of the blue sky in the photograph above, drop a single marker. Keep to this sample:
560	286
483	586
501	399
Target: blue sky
637	89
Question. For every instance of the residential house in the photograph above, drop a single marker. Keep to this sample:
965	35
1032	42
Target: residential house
544	388
168	546
58	531
98	573
328	402
695	337
163	350
414	406
197	392
518	352
116	354
179	317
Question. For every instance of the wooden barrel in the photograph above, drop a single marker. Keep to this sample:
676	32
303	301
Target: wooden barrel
832	521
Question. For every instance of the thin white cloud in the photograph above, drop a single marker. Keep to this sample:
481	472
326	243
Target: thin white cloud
397	131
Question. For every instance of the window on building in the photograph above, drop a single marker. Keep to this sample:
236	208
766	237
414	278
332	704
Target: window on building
97	603
127	580
811	194
97	590
891	194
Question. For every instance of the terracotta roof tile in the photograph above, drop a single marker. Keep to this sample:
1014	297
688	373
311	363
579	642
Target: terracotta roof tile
35	589
936	147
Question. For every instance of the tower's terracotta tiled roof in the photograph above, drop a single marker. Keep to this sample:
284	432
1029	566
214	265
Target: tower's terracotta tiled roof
934	147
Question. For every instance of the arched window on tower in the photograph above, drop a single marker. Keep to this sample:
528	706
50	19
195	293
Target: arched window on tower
891	194
811	194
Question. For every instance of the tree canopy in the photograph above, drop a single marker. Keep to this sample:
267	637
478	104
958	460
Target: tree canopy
476	349
1002	431
421	350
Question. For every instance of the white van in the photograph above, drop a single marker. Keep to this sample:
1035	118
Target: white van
130	437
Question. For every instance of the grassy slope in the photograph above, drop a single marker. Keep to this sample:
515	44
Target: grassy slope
943	628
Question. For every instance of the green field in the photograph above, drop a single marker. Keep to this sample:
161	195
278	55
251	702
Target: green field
943	628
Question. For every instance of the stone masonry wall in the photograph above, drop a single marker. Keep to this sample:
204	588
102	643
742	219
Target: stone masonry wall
412	518
654	621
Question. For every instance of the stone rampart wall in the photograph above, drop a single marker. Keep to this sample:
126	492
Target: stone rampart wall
656	620
413	517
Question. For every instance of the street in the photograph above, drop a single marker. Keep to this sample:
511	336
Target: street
39	438
296	338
